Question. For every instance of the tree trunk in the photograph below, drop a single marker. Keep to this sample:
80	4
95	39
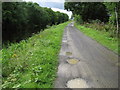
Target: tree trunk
116	14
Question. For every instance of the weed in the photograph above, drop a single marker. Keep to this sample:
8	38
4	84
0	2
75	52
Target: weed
100	36
32	63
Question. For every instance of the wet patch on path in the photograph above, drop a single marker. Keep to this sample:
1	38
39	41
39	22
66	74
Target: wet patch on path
77	83
73	61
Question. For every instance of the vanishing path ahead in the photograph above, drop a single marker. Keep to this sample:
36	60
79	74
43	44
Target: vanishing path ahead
97	65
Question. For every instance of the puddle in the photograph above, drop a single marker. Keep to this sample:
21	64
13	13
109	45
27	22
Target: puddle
72	61
77	83
68	53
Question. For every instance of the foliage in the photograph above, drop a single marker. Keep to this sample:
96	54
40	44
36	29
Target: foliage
52	16
60	18
78	19
111	8
97	25
21	19
114	11
88	10
32	63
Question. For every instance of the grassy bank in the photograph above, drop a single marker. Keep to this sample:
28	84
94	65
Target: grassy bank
102	37
32	63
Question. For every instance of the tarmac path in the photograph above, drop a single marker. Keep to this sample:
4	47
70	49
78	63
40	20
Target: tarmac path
96	64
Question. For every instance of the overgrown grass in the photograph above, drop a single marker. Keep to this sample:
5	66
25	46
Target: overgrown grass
32	63
102	37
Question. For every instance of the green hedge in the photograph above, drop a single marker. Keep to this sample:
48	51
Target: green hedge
21	19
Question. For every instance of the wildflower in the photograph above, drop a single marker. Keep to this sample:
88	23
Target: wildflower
13	80
14	55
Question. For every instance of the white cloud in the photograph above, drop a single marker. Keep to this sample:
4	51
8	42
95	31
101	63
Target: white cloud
46	0
54	0
69	13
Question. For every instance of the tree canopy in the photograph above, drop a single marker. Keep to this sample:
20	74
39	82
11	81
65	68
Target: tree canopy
88	10
21	19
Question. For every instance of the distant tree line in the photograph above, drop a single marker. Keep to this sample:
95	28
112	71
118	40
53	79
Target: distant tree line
21	19
88	10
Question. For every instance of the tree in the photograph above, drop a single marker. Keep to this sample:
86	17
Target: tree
78	18
113	8
21	19
88	10
51	15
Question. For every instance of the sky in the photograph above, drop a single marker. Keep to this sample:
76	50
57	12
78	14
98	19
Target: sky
55	5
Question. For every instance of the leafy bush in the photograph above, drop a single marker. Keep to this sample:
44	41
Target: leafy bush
101	26
78	19
95	21
21	19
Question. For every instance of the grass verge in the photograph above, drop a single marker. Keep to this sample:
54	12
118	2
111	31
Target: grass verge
32	63
100	36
